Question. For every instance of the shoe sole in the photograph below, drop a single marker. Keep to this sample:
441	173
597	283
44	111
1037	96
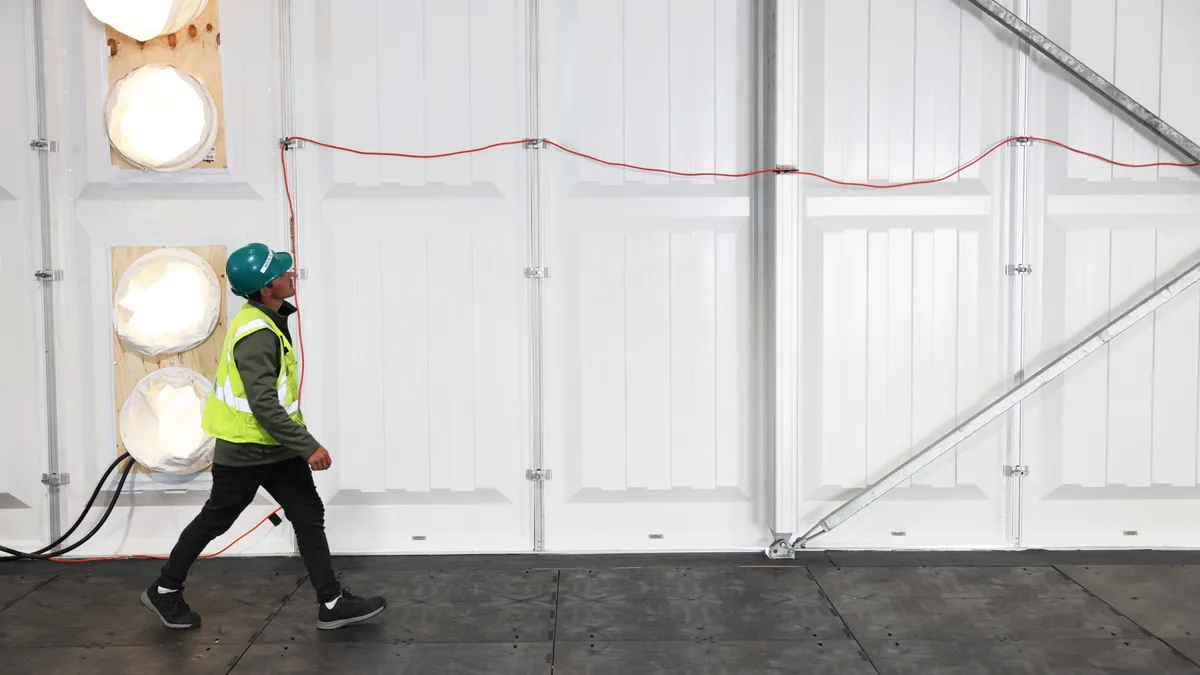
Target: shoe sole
150	606
342	623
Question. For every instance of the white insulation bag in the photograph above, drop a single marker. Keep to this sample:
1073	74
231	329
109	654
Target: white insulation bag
160	422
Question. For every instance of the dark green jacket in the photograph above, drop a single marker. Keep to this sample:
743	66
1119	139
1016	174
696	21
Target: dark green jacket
259	361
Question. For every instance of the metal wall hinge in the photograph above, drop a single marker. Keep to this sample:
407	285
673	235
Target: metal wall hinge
537	272
1020	268
1020	471
48	275
56	479
538	474
534	144
43	145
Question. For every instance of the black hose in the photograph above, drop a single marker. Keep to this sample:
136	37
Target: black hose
87	508
40	554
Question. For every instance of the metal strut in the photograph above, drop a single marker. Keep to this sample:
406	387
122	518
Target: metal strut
1003	404
1089	77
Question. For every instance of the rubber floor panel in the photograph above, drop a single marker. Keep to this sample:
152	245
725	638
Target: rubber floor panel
842	613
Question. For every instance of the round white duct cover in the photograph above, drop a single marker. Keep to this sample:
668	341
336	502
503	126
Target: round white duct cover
146	19
167	302
161	118
160	422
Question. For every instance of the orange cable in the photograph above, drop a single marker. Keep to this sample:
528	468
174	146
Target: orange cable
634	167
138	556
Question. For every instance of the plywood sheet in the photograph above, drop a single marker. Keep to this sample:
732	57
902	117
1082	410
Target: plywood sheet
195	50
129	366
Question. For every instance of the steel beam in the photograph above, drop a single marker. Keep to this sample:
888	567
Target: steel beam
1089	77
1003	404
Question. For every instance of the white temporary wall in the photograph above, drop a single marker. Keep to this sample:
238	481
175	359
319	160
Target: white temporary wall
1113	445
649	340
420	324
23	503
415	313
97	207
896	326
438	373
422	333
905	319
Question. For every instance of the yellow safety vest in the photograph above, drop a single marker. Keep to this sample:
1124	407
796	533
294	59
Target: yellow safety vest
227	414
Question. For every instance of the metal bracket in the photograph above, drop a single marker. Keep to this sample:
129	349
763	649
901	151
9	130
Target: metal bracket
291	143
537	272
48	275
1023	141
534	144
302	273
43	145
786	168
538	474
1019	471
1019	268
56	479
781	548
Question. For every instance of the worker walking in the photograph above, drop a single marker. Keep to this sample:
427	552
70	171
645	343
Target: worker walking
261	440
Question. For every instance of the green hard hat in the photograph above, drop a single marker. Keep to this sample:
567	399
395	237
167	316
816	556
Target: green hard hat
254	266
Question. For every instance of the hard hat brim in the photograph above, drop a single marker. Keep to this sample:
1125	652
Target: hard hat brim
282	262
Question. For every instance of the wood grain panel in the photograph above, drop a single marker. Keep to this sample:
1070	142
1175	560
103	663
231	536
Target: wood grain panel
129	366
195	50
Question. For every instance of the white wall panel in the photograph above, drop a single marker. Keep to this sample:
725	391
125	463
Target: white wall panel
416	324
1112	445
98	207
648	344
906	97
902	298
23	516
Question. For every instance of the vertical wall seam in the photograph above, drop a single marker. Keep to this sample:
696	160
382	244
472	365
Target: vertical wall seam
54	492
1108	365
535	294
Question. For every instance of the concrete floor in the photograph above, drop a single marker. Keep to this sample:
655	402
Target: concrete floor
835	613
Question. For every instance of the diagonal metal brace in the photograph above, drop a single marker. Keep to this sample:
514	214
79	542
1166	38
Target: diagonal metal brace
1089	77
1003	404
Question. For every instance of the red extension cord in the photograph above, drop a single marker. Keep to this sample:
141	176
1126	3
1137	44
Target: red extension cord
622	165
137	556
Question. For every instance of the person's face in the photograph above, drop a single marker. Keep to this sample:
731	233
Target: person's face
284	287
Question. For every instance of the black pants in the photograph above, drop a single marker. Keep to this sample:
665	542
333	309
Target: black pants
291	484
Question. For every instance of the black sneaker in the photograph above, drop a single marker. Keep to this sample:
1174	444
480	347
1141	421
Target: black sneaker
349	609
170	608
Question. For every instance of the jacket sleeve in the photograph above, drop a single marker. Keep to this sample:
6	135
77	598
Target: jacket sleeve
258	362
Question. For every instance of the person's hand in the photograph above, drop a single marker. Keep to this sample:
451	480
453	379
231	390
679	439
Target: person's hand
320	460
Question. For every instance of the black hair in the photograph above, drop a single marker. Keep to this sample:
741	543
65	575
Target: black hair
256	296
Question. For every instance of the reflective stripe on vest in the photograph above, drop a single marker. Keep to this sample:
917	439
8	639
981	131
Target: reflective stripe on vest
224	391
